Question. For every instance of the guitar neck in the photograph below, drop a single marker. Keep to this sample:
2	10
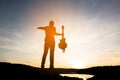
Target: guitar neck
62	32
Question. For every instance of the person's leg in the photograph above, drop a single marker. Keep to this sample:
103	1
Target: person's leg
52	48
46	47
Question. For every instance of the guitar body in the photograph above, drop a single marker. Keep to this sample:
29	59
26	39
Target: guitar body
62	45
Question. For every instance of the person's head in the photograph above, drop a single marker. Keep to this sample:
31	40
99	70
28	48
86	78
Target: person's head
51	23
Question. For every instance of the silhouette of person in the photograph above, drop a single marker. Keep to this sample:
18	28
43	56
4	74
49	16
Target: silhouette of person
50	31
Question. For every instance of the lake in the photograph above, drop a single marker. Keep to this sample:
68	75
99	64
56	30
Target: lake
83	76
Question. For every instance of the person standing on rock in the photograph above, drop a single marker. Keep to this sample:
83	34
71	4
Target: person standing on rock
50	32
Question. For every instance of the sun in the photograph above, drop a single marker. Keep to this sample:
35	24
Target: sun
78	66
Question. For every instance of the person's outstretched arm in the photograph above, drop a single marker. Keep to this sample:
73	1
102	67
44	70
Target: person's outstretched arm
43	28
58	34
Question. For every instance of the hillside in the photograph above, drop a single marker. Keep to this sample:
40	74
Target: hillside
102	72
9	71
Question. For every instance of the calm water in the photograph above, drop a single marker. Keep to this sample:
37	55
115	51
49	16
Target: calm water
83	76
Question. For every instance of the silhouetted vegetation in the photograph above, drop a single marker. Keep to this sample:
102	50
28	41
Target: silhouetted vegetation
9	71
102	72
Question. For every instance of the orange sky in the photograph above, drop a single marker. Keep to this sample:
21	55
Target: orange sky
91	31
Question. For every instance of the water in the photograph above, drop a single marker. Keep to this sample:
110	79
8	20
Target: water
83	76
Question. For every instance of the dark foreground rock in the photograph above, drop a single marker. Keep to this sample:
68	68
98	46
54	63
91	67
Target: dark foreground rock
10	71
102	73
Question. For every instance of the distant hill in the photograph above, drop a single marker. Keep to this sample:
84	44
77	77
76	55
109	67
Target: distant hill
102	72
9	71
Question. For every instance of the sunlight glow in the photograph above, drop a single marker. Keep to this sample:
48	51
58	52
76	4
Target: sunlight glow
78	66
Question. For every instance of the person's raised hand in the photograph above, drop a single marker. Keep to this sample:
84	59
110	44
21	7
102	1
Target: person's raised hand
62	34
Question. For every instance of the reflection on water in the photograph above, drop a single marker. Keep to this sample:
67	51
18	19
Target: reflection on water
83	76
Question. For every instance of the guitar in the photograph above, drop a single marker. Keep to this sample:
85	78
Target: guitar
62	45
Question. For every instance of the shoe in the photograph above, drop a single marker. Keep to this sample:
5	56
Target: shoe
42	67
51	67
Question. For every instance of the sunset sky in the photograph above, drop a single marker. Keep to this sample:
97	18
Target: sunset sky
92	31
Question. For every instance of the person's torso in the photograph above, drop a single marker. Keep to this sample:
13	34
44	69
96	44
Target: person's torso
50	32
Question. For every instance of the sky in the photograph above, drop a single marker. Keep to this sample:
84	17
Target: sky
92	32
